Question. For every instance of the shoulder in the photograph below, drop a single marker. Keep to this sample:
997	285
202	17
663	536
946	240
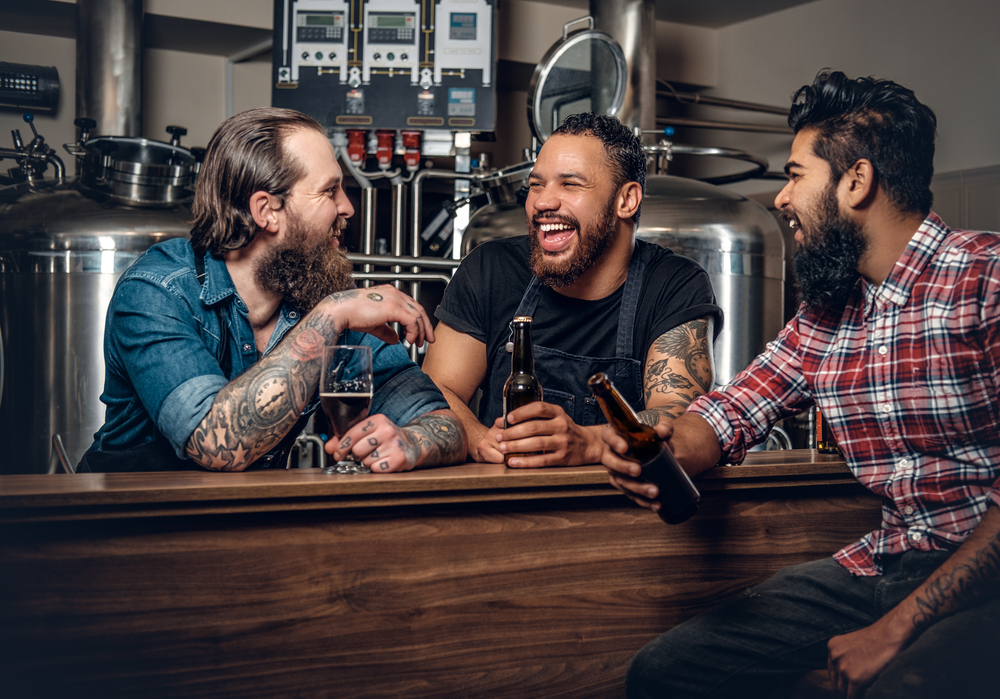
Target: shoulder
163	261
164	272
497	253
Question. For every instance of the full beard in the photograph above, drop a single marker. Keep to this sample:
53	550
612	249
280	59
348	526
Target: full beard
305	269
826	267
591	244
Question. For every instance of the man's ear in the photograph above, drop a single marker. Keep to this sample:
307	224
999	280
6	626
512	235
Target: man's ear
858	184
264	208
628	200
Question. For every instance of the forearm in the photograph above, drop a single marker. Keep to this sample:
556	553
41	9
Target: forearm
473	429
695	444
253	412
435	439
968	576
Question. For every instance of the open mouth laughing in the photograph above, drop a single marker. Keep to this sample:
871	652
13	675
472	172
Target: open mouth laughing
555	236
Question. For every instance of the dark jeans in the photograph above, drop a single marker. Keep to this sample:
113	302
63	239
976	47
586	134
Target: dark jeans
758	643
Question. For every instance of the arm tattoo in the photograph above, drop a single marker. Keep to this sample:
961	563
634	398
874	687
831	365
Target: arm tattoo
434	440
963	585
689	346
255	410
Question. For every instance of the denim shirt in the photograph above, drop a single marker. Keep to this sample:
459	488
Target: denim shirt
162	350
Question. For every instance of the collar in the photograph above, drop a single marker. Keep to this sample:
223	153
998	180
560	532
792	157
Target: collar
898	286
217	284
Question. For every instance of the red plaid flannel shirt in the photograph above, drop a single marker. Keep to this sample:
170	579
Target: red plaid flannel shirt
907	377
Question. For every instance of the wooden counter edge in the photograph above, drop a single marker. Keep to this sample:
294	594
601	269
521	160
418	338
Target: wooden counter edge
90	496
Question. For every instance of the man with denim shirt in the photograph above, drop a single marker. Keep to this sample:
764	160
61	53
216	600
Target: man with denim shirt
898	343
214	346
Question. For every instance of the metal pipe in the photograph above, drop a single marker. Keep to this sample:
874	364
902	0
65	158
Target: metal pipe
722	125
695	98
368	199
109	65
632	23
386	260
760	163
394	276
398	221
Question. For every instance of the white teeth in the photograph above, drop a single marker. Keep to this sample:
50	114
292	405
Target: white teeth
549	227
793	224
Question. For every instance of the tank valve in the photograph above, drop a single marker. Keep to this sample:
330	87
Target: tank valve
385	147
411	142
357	147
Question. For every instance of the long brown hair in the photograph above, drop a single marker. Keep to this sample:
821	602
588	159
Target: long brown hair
246	154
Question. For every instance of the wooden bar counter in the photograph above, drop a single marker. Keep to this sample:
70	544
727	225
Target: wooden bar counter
466	581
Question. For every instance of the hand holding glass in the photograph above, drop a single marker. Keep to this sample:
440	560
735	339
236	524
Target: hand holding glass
345	391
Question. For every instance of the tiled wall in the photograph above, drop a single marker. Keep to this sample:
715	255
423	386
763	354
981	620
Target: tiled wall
969	198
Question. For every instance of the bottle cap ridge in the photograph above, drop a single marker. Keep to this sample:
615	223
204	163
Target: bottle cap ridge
522	319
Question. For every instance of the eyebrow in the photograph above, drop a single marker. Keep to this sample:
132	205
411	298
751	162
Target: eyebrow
560	176
789	165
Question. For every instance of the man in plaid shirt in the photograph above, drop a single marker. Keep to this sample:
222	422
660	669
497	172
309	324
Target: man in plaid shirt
897	341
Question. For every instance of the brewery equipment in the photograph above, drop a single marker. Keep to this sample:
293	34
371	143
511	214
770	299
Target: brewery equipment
65	241
63	245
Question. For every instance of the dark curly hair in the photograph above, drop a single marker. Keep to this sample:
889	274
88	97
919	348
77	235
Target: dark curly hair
246	155
622	147
874	119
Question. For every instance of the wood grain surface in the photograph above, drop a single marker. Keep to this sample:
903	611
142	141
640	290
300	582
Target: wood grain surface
496	597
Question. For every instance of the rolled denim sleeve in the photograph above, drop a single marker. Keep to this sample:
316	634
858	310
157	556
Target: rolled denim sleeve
161	344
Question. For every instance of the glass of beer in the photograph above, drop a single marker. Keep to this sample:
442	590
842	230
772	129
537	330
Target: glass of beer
345	392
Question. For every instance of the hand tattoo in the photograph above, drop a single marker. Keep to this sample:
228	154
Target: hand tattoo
433	439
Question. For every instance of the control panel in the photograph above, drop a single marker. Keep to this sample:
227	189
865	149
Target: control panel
426	65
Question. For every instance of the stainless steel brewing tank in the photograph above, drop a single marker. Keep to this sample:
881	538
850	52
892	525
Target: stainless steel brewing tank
62	248
735	239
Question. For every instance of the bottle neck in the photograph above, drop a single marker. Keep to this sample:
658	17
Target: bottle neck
522	361
616	409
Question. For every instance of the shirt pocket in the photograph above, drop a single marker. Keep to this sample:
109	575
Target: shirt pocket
947	404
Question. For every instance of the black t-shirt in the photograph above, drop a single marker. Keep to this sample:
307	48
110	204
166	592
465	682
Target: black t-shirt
487	288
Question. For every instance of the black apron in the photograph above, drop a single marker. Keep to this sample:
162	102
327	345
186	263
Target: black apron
564	376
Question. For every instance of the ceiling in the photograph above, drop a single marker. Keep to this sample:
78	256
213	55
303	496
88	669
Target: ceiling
702	13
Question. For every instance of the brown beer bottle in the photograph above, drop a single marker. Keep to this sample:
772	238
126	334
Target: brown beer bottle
522	385
826	443
678	496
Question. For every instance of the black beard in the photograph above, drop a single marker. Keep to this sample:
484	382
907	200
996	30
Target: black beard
592	244
304	273
826	267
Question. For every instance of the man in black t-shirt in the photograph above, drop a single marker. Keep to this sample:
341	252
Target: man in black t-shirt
600	300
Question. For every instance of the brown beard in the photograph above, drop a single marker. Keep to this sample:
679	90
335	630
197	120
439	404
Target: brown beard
305	268
593	243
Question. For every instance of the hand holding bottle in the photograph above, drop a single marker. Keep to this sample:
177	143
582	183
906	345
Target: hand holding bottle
676	498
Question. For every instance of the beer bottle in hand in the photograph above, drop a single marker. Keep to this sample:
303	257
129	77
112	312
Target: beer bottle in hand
522	386
678	497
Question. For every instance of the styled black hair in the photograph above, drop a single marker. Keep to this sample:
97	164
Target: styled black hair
622	147
878	120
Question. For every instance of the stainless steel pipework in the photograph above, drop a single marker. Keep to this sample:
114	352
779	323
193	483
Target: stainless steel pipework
109	65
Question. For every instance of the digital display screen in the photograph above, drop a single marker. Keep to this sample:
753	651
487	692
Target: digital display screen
390	21
463	26
321	20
